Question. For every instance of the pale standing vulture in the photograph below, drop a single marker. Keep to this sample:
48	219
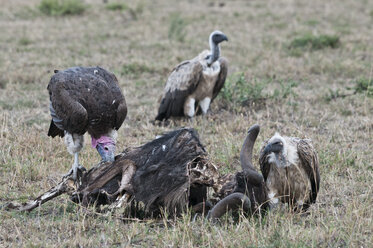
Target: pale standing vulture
195	82
290	168
86	99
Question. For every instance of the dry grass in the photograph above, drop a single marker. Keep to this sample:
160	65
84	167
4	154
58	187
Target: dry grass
135	44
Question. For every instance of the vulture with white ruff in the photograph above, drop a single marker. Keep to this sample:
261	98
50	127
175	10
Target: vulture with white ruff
195	82
86	99
290	168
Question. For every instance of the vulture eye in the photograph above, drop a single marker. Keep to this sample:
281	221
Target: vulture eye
106	148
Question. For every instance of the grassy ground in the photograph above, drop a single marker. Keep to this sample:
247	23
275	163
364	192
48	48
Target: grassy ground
284	74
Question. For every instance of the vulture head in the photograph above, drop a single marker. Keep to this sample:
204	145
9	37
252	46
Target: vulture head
279	152
105	146
215	38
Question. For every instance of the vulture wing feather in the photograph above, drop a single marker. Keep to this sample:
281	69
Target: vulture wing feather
121	115
55	128
66	111
264	165
222	76
310	162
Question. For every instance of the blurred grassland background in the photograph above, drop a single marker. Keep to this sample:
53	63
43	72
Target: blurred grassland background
302	68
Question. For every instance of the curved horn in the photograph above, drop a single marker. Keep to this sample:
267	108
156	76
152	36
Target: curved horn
231	202
247	148
246	156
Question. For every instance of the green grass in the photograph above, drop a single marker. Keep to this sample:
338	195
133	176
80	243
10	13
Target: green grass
285	90
135	69
333	94
312	23
24	41
361	86
176	30
62	7
314	42
364	86
115	6
238	90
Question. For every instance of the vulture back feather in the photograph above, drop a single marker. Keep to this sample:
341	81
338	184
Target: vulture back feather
85	99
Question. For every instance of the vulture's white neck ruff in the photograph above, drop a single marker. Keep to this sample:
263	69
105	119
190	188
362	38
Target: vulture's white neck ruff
212	70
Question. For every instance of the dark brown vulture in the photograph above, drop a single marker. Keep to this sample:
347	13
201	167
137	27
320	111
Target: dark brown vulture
290	168
86	99
195	82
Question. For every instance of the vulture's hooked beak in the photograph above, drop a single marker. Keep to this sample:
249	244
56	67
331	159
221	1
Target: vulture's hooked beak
106	151
273	147
276	148
267	149
225	38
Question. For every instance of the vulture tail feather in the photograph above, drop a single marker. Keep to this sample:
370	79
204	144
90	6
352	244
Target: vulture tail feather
55	131
172	104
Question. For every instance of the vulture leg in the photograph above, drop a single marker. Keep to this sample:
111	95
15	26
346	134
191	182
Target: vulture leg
74	143
189	107
205	104
231	202
75	167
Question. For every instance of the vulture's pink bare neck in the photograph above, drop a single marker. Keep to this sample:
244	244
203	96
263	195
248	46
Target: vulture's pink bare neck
105	140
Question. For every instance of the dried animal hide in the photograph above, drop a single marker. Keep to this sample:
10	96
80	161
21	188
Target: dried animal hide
171	173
